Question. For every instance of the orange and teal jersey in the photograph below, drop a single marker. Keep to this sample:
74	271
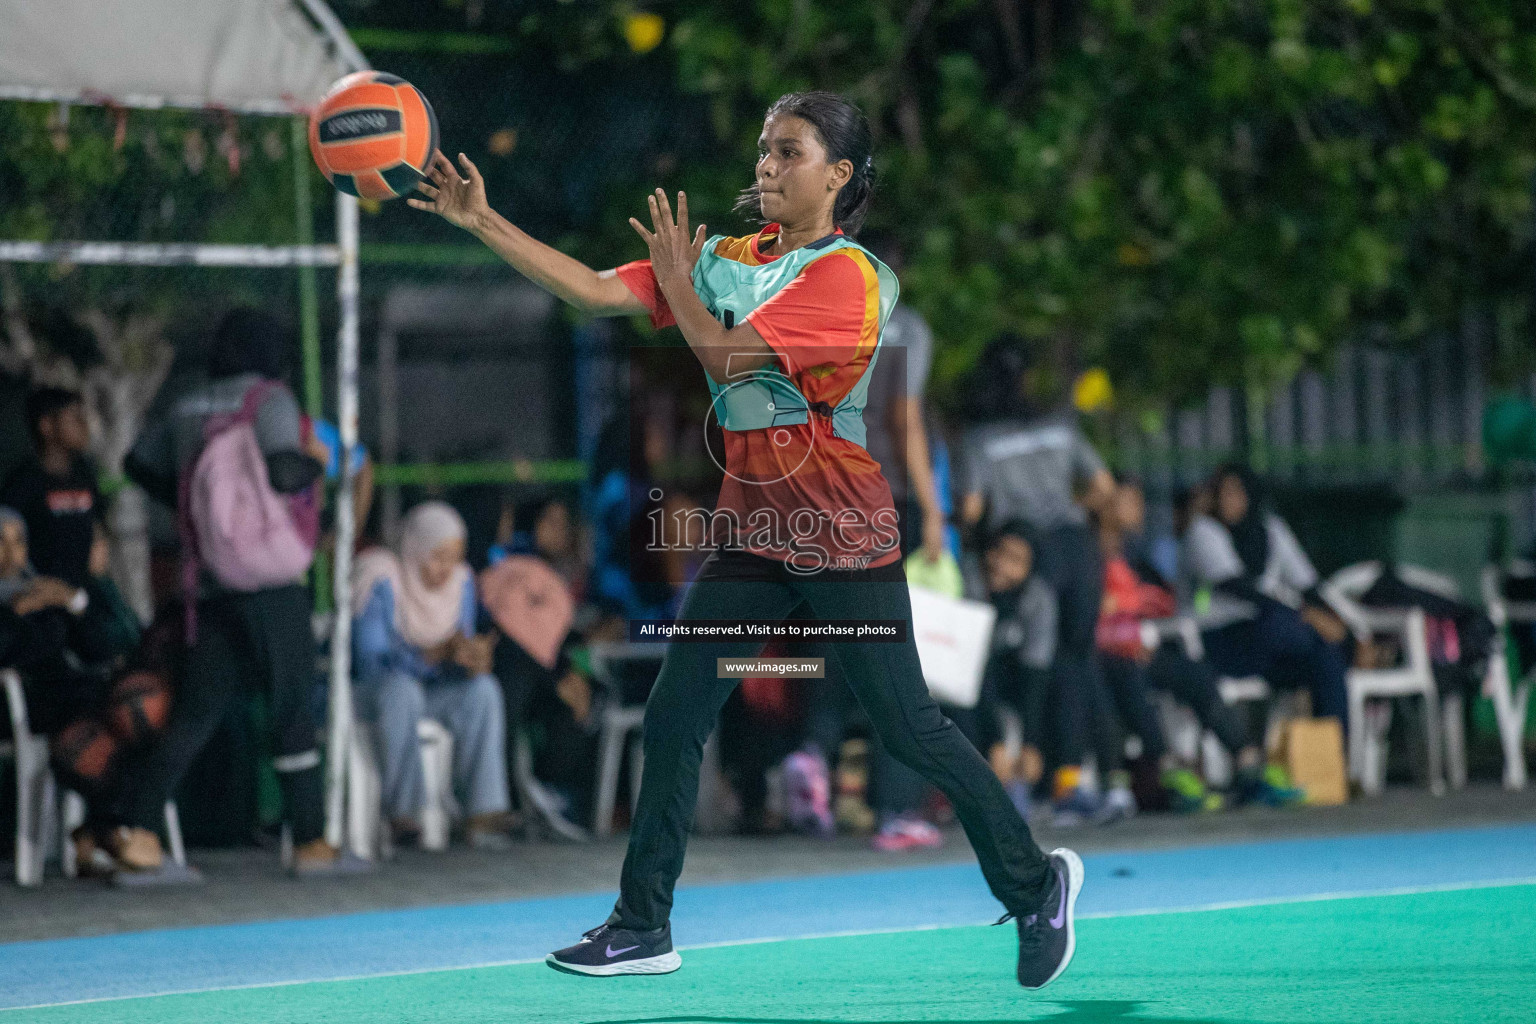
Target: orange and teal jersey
798	480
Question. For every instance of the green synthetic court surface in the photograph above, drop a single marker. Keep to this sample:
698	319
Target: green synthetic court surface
1424	958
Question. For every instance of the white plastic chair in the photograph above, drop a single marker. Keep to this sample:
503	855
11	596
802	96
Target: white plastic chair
42	809
618	721
1415	677
367	832
1510	699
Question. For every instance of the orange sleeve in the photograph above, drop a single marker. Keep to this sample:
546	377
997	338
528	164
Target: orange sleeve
827	316
640	279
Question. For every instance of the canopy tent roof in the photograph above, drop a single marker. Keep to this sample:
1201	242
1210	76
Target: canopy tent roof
248	56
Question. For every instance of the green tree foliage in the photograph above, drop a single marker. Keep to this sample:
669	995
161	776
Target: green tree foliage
1186	190
143	176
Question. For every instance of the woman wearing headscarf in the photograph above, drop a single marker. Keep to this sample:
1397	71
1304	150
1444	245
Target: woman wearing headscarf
530	592
417	656
1265	616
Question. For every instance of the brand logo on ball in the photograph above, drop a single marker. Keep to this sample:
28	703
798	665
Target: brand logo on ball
359	124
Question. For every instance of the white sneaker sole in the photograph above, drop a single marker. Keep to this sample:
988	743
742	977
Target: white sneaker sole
1074	886
664	964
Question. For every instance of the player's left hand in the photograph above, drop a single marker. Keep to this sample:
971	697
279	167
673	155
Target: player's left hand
673	250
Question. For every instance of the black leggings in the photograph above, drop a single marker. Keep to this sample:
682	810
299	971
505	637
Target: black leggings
1070	561
1191	683
889	683
261	639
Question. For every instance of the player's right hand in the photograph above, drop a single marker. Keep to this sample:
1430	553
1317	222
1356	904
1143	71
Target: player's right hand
459	201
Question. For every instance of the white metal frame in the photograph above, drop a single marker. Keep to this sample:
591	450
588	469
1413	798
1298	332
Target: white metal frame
619	721
342	255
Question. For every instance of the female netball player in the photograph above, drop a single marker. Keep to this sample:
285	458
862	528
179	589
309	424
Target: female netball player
786	324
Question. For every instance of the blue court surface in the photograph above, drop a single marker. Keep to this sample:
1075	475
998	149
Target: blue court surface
360	946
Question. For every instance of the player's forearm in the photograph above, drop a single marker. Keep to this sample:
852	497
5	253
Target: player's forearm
721	351
564	277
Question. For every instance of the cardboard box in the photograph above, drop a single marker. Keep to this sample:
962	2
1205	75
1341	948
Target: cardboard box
1312	751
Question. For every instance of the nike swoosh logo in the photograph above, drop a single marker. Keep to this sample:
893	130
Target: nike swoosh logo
1061	908
615	952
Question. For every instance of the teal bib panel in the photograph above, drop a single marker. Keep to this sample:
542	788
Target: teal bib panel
767	397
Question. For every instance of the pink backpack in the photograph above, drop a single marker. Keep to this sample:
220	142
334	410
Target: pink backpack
232	521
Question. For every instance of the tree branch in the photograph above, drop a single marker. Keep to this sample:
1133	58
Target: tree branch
1501	79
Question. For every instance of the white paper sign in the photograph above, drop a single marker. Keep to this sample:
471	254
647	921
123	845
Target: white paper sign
953	637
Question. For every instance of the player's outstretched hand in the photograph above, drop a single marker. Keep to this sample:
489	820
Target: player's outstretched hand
459	201
673	251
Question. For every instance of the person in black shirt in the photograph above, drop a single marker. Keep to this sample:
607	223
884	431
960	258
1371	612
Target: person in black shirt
55	491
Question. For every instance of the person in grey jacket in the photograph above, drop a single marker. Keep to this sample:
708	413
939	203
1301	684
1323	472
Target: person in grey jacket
1265	616
1028	461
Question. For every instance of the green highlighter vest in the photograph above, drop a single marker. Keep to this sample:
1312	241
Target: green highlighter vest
767	397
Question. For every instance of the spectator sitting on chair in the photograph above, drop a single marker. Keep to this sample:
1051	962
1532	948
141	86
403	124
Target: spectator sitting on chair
417	656
35	611
55	490
95	753
543	527
85	689
1134	593
1019	666
531	601
1265	617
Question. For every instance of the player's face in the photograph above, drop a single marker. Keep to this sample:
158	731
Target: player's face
796	182
439	566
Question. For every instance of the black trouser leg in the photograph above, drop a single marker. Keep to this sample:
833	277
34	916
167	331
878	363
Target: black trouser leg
888	680
1193	684
1127	683
520	676
277	623
826	714
265	634
679	716
211	677
1070	560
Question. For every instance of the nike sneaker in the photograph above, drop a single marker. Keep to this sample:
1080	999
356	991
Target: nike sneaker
605	951
1046	938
